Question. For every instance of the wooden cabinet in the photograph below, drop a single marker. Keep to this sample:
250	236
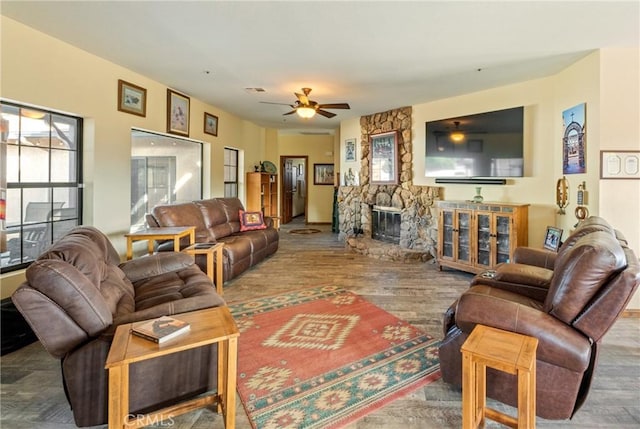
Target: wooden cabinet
262	193
475	237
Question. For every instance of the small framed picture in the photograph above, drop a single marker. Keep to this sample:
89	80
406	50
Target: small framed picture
323	174
620	164
350	150
552	239
132	98
210	124
177	113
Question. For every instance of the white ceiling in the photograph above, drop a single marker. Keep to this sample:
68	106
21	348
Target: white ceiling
375	55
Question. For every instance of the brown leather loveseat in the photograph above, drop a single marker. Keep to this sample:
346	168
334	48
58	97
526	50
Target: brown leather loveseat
218	220
77	293
590	282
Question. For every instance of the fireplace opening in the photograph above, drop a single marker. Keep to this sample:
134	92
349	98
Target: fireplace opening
385	224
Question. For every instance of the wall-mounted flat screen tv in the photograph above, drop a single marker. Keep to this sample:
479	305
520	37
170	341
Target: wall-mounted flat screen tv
482	145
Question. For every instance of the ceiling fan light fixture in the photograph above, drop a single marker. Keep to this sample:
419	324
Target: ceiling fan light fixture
456	136
306	112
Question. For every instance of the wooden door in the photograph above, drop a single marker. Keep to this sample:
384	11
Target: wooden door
287	190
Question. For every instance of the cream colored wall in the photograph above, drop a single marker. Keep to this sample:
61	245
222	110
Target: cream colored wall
40	70
320	149
350	129
608	82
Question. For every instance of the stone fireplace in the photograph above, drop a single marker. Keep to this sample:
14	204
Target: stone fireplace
415	236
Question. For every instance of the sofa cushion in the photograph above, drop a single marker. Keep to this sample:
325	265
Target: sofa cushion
250	221
184	214
581	271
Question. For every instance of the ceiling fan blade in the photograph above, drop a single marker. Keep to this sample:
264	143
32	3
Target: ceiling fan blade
334	106
289	113
325	113
271	102
304	100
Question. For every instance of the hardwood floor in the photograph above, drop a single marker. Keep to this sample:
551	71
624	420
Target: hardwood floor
32	394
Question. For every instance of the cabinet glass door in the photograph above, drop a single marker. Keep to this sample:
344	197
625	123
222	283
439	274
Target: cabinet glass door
464	236
447	234
503	238
483	232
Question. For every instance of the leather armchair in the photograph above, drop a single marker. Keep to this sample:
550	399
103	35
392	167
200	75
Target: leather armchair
77	293
591	283
531	269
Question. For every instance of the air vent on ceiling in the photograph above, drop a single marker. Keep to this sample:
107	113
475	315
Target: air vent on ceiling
254	90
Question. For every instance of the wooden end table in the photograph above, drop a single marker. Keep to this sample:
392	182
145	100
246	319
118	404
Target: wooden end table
152	235
209	251
505	351
209	326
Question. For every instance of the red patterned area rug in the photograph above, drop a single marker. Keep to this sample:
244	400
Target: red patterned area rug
324	357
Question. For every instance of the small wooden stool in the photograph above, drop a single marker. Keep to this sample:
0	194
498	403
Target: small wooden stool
505	351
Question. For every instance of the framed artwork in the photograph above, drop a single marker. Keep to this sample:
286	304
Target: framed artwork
323	174
574	140
552	239
620	164
177	113
132	98
210	124
383	159
350	150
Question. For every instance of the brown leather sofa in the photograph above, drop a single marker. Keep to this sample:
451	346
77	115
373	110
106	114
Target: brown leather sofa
218	220
590	281
77	293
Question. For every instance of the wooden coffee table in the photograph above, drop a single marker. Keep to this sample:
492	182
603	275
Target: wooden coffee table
218	267
209	326
152	235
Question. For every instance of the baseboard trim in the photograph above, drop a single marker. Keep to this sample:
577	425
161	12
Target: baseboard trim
633	313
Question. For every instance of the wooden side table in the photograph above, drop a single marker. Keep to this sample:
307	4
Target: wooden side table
209	326
505	351
210	249
152	235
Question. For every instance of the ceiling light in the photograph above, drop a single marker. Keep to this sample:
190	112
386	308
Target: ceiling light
456	136
32	114
306	112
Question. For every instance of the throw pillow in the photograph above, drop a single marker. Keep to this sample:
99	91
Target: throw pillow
251	220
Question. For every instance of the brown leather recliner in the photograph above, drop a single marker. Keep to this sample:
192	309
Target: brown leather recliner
77	293
591	283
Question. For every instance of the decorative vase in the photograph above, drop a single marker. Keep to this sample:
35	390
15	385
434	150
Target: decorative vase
478	198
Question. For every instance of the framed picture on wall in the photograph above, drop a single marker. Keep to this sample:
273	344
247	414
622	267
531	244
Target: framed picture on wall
383	159
132	98
210	124
177	113
323	174
350	150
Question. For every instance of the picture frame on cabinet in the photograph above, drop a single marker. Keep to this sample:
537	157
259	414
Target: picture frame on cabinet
132	98
210	124
553	238
177	113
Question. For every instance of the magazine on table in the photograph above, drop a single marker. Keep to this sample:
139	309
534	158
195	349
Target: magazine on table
161	329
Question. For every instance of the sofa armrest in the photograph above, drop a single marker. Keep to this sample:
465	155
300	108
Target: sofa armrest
558	343
154	265
537	257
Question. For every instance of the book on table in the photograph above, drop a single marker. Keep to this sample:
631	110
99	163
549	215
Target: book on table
161	329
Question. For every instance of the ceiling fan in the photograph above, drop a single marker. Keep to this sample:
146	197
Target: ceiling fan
306	108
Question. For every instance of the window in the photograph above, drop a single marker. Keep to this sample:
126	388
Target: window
40	197
164	170
230	172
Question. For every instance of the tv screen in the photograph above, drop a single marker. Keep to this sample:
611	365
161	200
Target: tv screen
482	145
